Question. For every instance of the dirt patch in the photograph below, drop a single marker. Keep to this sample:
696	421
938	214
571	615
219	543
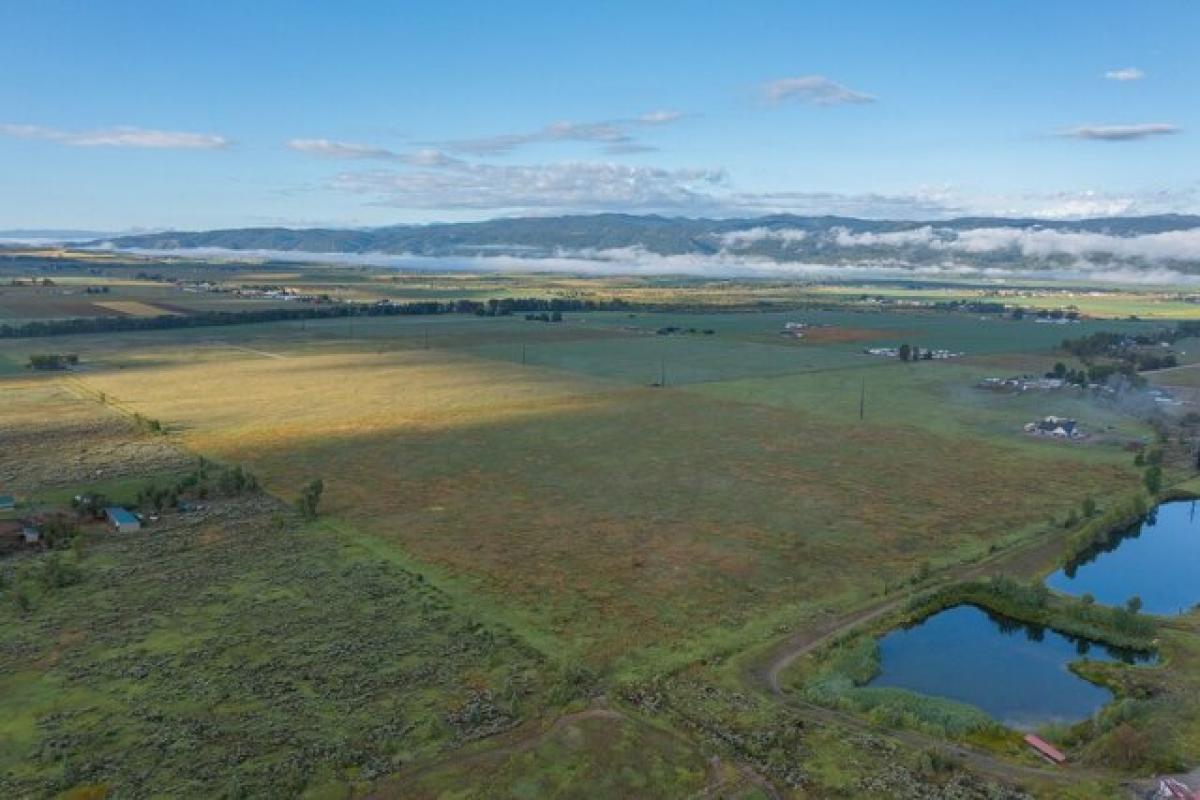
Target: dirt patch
50	437
837	334
136	308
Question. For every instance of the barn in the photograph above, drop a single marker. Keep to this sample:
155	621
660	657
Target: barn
121	520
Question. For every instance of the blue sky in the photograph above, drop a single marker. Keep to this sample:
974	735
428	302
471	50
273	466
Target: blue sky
127	114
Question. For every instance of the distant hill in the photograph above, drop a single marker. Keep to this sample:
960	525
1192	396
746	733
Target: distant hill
976	241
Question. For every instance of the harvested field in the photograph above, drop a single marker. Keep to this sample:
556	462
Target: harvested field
136	308
836	335
51	436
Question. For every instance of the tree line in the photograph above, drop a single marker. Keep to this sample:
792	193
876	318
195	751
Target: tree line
495	307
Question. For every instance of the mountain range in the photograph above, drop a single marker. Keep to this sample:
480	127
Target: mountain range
982	242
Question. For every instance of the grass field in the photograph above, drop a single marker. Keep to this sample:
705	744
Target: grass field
575	490
544	522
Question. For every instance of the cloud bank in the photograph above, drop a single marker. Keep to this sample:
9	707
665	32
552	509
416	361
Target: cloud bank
637	261
617	135
1126	74
578	185
1033	243
123	136
813	89
1121	133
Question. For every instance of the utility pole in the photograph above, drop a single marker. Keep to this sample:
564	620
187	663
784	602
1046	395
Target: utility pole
862	401
426	337
662	375
522	355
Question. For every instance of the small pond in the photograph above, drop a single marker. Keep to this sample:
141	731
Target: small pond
1016	673
1157	560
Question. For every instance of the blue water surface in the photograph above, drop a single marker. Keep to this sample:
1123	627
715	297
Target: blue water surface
1014	672
1157	560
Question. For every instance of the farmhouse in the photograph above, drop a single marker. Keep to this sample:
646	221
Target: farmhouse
122	521
30	534
1056	427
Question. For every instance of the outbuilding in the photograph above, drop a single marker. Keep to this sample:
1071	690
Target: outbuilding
31	535
7	502
121	520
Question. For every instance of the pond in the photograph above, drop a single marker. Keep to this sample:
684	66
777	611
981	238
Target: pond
1016	673
1157	560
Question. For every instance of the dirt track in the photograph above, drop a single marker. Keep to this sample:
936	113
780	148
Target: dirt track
1026	559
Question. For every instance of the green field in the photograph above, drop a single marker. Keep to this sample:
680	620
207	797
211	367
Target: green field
577	529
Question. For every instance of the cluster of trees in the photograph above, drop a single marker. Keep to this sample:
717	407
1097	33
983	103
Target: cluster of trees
554	316
1125	619
493	308
1087	510
667	330
1097	373
1046	313
1129	348
53	361
90	504
210	479
971	306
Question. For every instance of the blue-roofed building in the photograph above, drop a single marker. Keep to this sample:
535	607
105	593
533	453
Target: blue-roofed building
7	502
121	520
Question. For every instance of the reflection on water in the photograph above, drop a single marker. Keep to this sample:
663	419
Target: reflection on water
1157	560
1014	671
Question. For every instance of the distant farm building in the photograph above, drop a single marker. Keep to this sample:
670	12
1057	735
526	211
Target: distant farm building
7	502
915	354
1055	427
31	535
122	521
1022	383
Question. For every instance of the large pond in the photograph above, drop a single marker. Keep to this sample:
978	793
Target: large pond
1016	673
1157	560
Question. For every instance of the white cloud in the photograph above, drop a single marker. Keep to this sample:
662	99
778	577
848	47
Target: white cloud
1181	245
660	117
735	240
1121	133
1036	243
327	148
843	237
1126	74
561	186
815	89
122	136
614	134
923	203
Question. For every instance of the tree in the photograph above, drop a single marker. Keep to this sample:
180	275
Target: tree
1060	370
1153	479
1127	747
905	352
1089	508
1087	600
1133	605
310	499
